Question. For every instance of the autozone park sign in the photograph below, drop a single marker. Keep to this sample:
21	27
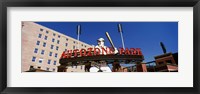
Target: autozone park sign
100	51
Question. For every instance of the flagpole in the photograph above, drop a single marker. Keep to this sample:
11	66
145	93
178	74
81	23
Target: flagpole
120	30
78	40
78	35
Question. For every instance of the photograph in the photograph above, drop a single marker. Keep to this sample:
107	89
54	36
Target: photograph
99	46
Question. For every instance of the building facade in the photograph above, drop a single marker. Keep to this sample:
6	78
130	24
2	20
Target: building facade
167	62
42	47
78	68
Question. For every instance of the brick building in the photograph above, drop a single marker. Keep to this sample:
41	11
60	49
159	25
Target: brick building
42	47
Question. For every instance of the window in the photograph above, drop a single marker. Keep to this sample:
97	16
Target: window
45	37
58	36
49	61
53	40
40	35
73	47
56	55
169	62
65	49
81	67
85	46
51	46
66	44
31	68
42	52
74	42
58	41
36	50
160	63
41	29
54	63
38	43
50	54
81	44
40	60
66	39
54	69
54	34
47	69
33	59
47	32
44	44
57	47
39	67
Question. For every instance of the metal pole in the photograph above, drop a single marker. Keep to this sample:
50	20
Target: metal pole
122	40
120	30
78	40
78	35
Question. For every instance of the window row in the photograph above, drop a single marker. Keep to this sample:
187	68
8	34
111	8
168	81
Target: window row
74	47
41	60
53	40
48	32
43	52
46	37
44	45
40	35
48	69
52	47
77	43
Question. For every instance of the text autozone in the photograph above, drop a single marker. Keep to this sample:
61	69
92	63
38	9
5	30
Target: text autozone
96	51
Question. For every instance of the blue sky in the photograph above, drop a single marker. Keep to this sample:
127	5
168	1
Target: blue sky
144	35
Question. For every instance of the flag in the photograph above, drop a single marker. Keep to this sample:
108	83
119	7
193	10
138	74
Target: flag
78	29
119	28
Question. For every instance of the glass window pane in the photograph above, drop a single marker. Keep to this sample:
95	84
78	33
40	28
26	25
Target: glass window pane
53	40
33	59
49	61
38	43
40	60
44	44
45	37
40	35
58	41
36	50
54	63
42	52
51	46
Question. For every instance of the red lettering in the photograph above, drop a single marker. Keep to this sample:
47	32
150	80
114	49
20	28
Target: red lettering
139	52
133	51
89	52
83	52
75	52
111	50
63	55
127	52
69	53
121	51
104	50
96	52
